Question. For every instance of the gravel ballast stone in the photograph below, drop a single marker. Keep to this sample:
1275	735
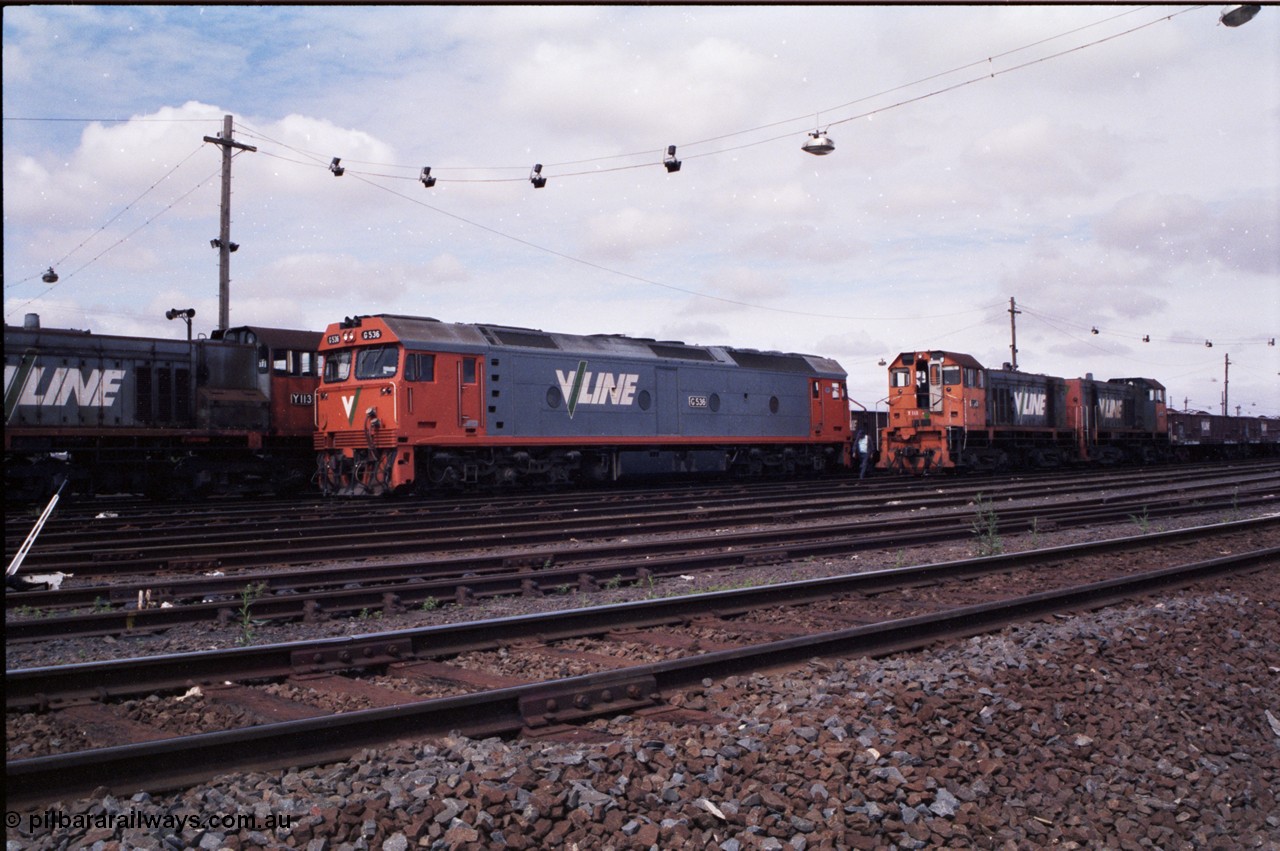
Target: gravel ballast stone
1145	726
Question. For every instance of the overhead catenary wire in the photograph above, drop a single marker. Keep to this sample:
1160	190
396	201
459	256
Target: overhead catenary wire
110	221
121	240
655	151
606	269
320	160
1086	332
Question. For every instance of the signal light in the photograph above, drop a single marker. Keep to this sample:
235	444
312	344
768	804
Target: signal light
335	168
536	178
427	180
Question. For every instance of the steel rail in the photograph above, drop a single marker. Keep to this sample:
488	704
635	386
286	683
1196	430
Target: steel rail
314	538
677	521
238	511
52	686
394	588
170	763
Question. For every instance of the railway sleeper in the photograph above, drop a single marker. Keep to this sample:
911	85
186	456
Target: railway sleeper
764	559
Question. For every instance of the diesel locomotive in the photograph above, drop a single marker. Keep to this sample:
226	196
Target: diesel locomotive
169	418
948	412
413	404
394	404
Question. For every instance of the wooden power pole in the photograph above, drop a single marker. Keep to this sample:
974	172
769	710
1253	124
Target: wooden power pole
1226	380
223	243
1013	334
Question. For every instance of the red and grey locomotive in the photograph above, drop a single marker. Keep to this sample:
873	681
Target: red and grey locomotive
948	412
414	404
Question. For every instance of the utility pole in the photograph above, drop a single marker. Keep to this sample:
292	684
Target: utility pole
1013	333
223	243
1226	373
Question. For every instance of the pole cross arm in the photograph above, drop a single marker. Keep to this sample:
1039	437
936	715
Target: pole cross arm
231	143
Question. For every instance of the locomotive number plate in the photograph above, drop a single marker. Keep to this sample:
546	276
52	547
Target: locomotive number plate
371	334
697	401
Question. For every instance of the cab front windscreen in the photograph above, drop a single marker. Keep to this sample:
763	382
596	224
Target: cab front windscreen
370	363
377	362
337	366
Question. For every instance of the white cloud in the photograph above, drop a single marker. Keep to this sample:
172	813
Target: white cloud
1131	184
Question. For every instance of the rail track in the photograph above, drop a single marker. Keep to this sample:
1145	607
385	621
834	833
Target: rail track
482	678
158	603
136	541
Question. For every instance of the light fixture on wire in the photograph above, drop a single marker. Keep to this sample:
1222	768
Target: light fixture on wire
670	161
1093	330
427	180
1146	338
51	277
819	144
1239	14
536	178
1208	345
335	168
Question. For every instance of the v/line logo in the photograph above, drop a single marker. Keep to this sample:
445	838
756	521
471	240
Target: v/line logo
1111	409
26	384
349	406
1029	403
580	387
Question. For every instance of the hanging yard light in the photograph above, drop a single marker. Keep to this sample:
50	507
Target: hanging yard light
672	164
1238	14
819	144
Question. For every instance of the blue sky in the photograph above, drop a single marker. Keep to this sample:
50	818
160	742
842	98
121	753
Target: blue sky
1130	184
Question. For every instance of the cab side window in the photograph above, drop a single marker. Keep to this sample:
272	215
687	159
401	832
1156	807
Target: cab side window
419	367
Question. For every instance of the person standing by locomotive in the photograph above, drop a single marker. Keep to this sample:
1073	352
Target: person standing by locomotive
862	442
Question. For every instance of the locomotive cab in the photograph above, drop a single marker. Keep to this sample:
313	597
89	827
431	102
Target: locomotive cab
935	399
358	408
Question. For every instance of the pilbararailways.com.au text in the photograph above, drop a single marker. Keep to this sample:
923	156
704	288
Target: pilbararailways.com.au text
133	820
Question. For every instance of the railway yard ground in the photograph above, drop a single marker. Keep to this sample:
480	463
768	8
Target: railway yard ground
1154	723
